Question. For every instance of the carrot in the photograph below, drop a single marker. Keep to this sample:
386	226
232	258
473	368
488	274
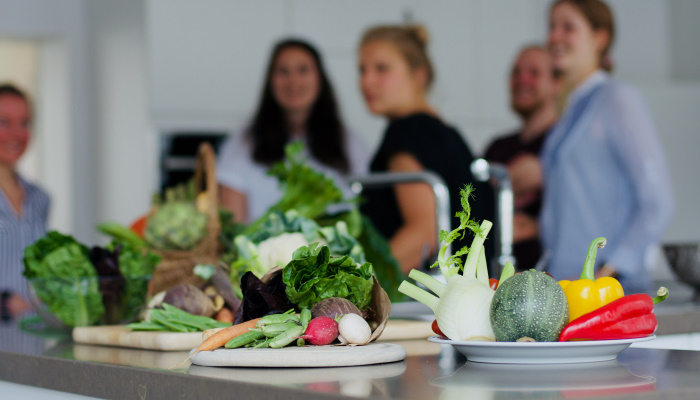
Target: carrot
221	337
209	333
224	315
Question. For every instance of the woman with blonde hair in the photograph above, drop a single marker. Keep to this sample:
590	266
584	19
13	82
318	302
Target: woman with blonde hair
395	76
605	173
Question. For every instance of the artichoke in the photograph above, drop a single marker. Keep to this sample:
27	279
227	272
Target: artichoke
176	226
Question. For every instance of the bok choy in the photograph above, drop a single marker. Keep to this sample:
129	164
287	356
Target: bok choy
462	304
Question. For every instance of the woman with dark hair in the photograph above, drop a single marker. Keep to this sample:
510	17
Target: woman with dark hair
605	173
23	206
297	103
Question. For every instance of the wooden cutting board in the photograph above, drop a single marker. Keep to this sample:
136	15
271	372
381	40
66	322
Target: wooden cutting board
176	341
404	329
122	337
309	356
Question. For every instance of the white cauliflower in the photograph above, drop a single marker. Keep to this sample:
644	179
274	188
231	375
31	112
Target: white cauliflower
278	250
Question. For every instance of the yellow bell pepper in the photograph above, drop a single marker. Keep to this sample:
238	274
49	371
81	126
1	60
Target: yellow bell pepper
588	294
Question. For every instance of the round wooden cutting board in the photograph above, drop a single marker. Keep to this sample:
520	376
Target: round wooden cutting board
307	356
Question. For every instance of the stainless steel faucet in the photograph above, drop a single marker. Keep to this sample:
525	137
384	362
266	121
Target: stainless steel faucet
442	194
497	175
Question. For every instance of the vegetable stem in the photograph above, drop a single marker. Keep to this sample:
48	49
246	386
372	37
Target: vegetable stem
508	271
588	271
419	295
662	294
471	264
482	268
431	283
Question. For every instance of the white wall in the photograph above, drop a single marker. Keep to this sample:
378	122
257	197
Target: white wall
63	105
138	67
207	64
125	139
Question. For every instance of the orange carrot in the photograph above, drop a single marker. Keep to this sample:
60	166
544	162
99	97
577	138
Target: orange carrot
224	315
221	337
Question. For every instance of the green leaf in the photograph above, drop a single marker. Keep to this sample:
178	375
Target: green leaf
64	279
313	275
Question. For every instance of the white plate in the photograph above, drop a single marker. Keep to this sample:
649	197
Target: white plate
541	352
307	356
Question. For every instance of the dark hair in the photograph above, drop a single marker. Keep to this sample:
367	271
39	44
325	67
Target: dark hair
324	128
600	17
8	89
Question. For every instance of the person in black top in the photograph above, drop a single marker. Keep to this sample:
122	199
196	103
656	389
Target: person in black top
395	74
533	88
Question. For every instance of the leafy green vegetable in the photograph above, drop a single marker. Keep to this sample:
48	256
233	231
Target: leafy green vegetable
305	190
378	252
137	267
451	265
84	287
229	230
64	279
122	234
313	275
259	251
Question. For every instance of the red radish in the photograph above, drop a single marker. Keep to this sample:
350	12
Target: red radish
321	330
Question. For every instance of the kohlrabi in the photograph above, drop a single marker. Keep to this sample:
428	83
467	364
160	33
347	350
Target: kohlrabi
462	305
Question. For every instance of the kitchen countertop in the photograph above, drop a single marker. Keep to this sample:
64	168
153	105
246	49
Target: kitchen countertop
429	371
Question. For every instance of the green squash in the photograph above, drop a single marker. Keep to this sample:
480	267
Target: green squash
529	305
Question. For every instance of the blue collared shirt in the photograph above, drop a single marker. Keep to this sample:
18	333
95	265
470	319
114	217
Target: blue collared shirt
18	232
605	174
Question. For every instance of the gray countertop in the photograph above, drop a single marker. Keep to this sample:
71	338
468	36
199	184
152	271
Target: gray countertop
429	371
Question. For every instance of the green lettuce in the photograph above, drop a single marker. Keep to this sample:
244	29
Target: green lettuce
313	275
304	189
63	277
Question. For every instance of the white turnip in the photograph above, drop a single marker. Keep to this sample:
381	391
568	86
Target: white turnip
354	329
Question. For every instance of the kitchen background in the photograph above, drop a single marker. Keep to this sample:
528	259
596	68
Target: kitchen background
111	78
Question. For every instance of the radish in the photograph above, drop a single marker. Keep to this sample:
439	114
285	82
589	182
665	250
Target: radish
321	331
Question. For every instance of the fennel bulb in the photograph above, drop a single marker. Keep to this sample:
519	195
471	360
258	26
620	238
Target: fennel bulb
462	305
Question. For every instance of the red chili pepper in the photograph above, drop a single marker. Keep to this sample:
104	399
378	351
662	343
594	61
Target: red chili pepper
493	283
628	317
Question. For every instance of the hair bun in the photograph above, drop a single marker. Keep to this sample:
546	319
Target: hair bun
420	32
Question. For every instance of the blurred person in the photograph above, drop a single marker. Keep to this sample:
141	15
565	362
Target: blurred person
605	173
24	207
297	103
395	76
533	98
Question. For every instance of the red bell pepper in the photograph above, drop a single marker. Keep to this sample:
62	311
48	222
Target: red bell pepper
628	317
436	328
